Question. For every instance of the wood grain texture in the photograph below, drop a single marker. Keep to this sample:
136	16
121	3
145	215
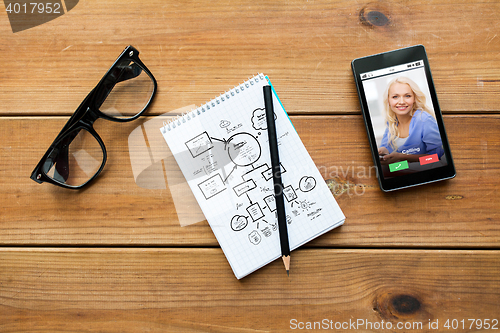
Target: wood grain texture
113	257
198	49
462	212
165	290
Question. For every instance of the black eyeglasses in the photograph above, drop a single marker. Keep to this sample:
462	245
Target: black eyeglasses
78	154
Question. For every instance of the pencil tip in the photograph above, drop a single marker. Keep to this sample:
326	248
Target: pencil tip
286	261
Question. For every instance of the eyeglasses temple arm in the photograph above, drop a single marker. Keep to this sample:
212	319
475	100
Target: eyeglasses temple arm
125	73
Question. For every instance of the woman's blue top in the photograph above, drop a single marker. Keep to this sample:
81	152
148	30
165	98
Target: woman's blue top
423	138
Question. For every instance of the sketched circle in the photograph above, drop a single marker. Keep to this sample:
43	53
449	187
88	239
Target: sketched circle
307	183
243	149
239	223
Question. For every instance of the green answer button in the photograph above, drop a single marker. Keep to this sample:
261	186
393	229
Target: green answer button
398	166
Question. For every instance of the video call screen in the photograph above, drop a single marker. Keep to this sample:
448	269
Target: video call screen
403	119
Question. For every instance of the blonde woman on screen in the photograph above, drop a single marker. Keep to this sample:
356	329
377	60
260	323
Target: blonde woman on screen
412	130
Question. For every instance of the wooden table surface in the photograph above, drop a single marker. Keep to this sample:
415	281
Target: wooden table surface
113	257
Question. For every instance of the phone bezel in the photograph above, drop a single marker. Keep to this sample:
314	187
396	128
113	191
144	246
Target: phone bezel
390	59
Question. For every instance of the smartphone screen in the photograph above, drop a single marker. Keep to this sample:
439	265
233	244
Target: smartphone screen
403	118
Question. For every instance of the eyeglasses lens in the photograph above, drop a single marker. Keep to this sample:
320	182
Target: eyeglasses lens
76	158
127	90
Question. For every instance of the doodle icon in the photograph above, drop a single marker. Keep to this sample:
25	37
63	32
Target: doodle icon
24	14
307	184
259	121
239	222
267	232
254	237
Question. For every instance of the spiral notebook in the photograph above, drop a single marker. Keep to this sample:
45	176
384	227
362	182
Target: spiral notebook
222	150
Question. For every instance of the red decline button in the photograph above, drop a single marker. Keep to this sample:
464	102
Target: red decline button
429	159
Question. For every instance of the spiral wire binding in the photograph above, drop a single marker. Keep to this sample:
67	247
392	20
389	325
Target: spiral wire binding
184	117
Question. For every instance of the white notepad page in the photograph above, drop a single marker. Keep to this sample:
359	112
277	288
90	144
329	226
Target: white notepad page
222	149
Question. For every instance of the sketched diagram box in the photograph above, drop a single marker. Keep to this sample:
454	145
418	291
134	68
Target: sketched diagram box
289	193
255	211
268	174
270	201
199	144
212	186
244	187
24	14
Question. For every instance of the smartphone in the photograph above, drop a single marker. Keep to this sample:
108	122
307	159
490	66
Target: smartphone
403	119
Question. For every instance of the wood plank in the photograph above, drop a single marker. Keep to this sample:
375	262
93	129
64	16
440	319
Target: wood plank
158	290
462	212
198	49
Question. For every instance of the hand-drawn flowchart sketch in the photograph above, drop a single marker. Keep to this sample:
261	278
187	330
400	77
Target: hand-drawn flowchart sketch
232	160
222	149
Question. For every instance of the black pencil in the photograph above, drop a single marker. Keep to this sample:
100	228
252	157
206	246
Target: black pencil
278	185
